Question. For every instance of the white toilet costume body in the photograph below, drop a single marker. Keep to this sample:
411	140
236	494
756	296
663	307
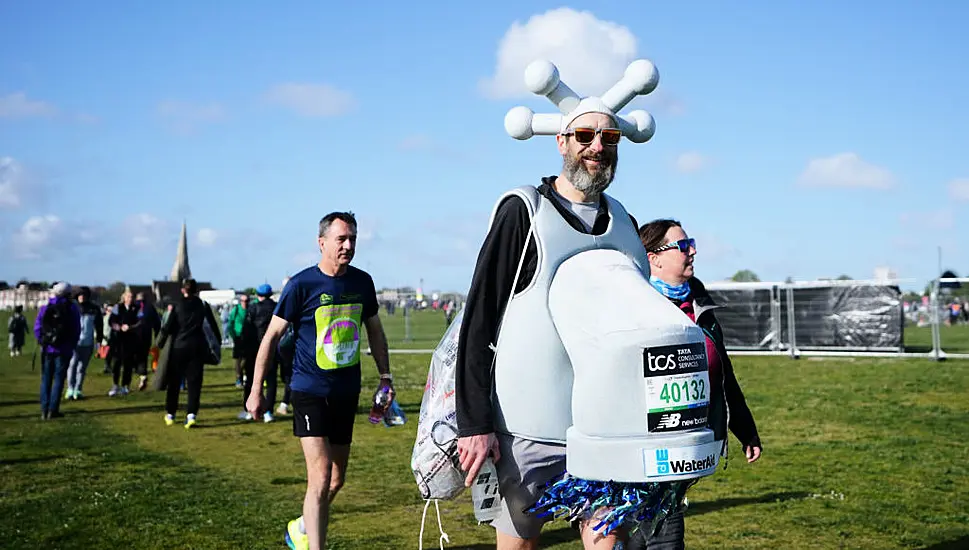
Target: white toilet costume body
590	355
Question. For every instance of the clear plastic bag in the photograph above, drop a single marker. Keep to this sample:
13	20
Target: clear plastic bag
435	457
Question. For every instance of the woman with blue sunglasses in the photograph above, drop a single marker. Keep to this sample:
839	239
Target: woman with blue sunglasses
671	252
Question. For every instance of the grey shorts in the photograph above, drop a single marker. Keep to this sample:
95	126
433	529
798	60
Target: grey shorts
525	467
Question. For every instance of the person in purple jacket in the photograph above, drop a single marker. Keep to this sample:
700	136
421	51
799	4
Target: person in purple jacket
57	329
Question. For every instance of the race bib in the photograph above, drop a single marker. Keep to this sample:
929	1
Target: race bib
338	335
677	386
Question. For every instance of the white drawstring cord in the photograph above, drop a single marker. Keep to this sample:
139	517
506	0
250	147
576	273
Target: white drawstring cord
444	538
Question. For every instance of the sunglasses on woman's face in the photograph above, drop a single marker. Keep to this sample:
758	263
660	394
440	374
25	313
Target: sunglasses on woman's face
584	136
683	244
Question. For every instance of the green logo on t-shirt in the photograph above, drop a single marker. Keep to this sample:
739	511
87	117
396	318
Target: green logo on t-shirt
338	335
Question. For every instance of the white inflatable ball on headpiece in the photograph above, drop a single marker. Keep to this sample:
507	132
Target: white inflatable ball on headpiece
542	78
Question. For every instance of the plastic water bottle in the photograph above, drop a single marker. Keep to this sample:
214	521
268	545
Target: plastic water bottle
484	493
381	400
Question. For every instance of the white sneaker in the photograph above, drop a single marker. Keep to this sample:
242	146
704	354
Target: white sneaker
267	417
114	391
125	390
283	408
244	415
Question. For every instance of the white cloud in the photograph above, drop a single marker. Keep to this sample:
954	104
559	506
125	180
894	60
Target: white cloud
207	237
941	219
18	188
691	162
146	232
35	235
42	237
312	100
959	189
184	118
591	54
18	105
845	170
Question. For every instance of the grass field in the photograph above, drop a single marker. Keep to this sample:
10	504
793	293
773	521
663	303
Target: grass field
866	453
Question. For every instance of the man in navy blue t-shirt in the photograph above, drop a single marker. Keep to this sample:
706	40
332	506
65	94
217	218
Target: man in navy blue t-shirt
327	304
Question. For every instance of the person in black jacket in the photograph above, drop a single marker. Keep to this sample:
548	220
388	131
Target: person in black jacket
126	344
150	326
259	315
185	325
671	254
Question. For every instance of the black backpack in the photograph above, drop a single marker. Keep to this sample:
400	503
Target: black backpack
53	327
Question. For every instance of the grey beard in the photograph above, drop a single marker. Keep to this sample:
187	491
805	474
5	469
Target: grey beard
583	181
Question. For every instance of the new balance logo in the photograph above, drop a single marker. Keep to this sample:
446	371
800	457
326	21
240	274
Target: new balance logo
667	421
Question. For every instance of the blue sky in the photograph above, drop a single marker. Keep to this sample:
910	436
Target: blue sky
794	139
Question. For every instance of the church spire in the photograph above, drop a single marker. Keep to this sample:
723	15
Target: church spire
180	270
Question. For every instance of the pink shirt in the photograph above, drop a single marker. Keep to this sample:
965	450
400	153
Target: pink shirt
713	356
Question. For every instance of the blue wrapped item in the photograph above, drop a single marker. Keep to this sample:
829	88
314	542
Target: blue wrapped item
394	415
612	504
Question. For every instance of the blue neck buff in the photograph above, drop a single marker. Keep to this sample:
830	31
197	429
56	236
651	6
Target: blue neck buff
677	292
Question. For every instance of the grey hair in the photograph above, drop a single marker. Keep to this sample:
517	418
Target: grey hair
345	217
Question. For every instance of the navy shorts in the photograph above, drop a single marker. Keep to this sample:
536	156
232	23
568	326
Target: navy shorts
330	417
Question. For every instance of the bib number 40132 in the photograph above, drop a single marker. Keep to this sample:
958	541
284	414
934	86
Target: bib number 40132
677	387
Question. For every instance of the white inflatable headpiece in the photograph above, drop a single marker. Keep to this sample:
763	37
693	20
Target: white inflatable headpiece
542	77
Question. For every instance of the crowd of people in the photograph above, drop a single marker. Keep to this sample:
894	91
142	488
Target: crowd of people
324	308
133	338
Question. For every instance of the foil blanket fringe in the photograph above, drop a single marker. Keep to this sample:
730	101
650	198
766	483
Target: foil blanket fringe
612	504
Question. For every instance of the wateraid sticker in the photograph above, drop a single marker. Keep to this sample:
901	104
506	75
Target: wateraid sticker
683	462
677	387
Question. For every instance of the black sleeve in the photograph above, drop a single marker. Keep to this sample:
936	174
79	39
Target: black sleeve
169	328
98	327
212	323
490	290
370	305
741	420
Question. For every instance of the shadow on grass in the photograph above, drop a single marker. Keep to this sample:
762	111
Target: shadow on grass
24	402
122	409
122	485
954	544
29	460
699	508
549	537
288	481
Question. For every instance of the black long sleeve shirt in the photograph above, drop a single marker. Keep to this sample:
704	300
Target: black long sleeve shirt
490	291
184	325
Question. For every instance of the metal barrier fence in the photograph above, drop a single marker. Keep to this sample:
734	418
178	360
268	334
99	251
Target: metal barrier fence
838	318
818	318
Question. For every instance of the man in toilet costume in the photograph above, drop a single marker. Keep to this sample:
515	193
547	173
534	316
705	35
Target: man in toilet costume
586	386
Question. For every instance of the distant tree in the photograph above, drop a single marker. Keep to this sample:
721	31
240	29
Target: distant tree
250	290
112	294
745	276
844	277
911	297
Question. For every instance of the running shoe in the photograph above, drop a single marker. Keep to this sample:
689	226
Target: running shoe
296	539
